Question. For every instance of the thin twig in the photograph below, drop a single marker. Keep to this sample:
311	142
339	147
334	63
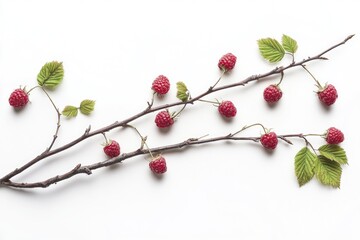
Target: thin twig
57	124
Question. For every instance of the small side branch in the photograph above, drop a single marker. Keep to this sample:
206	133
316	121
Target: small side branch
181	145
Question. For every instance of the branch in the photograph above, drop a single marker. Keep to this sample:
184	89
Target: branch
181	145
150	109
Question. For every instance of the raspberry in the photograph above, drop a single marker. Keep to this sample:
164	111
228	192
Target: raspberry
18	98
158	165
163	119
269	140
272	94
334	136
227	62
328	95
227	109
112	149
161	85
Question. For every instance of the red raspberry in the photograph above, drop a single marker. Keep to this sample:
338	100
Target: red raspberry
158	165
227	62
112	149
328	95
227	109
269	140
161	85
334	136
272	94
163	119
18	98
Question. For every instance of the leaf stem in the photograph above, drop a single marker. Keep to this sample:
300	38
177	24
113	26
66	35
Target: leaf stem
292	56
308	143
58	120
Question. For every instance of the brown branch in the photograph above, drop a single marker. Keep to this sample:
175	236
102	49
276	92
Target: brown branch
150	109
181	145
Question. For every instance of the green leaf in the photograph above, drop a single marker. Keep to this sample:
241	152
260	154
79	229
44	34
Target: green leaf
87	106
289	44
51	74
271	49
334	153
328	172
304	165
182	91
70	111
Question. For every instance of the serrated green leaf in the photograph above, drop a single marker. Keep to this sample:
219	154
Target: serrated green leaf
182	91
51	74
328	172
334	153
87	106
70	111
304	165
289	44
271	49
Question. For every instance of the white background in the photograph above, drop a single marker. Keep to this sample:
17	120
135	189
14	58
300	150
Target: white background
112	51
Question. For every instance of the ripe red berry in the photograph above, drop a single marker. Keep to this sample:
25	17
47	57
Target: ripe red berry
227	62
227	109
163	119
112	149
269	140
272	94
334	136
158	165
161	85
18	98
328	95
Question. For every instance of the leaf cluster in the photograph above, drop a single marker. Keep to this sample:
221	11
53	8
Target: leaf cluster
272	51
325	164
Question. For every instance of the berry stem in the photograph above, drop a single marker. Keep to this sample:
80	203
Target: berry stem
106	140
143	140
37	86
178	113
207	101
249	126
5	180
281	78
150	104
222	74
314	135
313	77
